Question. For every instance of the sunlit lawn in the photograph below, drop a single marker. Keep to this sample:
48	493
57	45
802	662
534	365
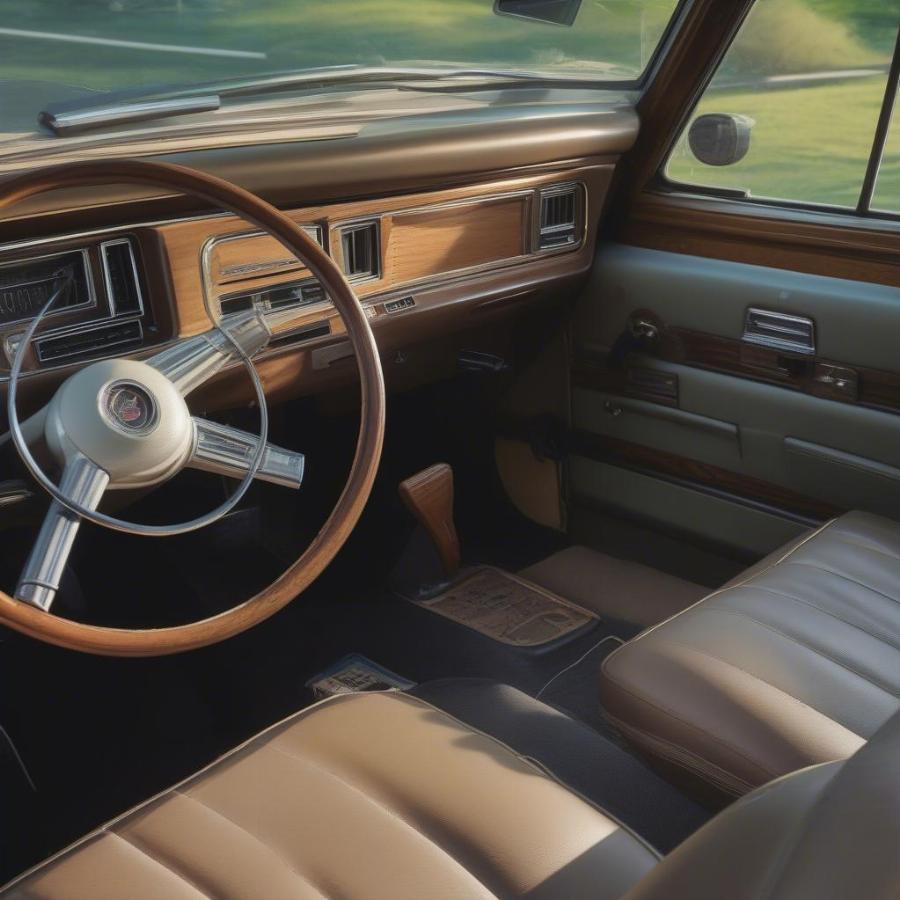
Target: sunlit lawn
809	144
303	33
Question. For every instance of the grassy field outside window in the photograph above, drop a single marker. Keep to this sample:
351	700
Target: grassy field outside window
812	74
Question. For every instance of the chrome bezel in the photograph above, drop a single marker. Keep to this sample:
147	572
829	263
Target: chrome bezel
106	399
107	280
88	277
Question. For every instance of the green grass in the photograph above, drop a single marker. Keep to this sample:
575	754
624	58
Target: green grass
809	144
295	34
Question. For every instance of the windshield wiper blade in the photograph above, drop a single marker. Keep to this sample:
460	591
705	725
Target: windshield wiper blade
161	101
89	118
135	105
352	74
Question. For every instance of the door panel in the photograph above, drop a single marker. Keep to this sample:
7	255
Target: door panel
758	428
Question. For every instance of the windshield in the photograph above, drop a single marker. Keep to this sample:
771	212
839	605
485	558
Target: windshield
52	50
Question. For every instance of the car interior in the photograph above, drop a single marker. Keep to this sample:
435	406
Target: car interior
464	469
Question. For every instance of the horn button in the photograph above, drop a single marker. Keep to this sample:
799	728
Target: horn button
126	417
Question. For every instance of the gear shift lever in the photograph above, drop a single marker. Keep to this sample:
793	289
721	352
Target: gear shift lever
429	497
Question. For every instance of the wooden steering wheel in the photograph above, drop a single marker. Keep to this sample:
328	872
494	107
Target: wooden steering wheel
125	423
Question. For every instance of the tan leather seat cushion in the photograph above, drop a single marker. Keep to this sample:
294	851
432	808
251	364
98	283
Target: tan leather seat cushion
829	832
798	663
369	796
613	588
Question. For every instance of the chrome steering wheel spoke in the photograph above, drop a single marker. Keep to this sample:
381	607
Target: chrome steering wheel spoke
230	451
193	361
84	483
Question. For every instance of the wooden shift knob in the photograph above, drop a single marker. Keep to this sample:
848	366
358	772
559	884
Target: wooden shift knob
429	497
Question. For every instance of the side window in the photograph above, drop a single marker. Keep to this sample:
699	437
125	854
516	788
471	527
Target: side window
792	113
887	187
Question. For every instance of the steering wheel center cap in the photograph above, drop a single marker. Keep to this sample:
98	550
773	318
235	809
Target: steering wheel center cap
129	406
126	417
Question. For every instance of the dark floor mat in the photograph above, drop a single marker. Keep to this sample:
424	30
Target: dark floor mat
574	688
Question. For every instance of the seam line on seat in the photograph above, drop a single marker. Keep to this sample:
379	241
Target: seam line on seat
136	846
222	759
687	760
287	863
768	684
812	649
866	587
878	636
781	559
387	810
864	545
691	726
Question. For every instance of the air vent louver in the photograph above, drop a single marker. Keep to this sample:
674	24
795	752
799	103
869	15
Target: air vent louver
558	218
89	341
359	250
283	296
122	280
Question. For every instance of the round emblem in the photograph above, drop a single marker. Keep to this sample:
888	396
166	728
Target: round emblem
130	407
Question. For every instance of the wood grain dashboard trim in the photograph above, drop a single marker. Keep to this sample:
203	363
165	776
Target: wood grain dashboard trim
506	222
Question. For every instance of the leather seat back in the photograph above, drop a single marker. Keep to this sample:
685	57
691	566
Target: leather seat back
828	832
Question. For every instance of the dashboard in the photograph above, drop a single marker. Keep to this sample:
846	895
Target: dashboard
423	265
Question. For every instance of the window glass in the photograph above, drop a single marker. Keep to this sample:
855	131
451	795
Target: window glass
887	188
810	75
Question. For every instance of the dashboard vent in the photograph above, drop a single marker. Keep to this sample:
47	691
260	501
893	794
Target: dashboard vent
359	250
122	281
559	212
283	296
89	341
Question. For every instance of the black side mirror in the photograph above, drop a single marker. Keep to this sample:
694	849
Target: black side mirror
556	12
720	139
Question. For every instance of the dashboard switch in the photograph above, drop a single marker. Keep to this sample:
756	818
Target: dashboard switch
393	306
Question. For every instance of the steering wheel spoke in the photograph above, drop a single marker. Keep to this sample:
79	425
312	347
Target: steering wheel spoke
230	451
85	483
193	361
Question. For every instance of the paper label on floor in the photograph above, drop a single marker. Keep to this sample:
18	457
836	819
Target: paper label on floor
356	674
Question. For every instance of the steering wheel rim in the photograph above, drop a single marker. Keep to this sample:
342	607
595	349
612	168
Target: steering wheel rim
308	566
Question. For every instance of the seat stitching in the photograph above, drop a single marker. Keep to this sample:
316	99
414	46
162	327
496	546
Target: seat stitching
878	636
391	813
163	865
703	732
686	759
795	640
769	684
692	726
781	559
865	587
287	863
